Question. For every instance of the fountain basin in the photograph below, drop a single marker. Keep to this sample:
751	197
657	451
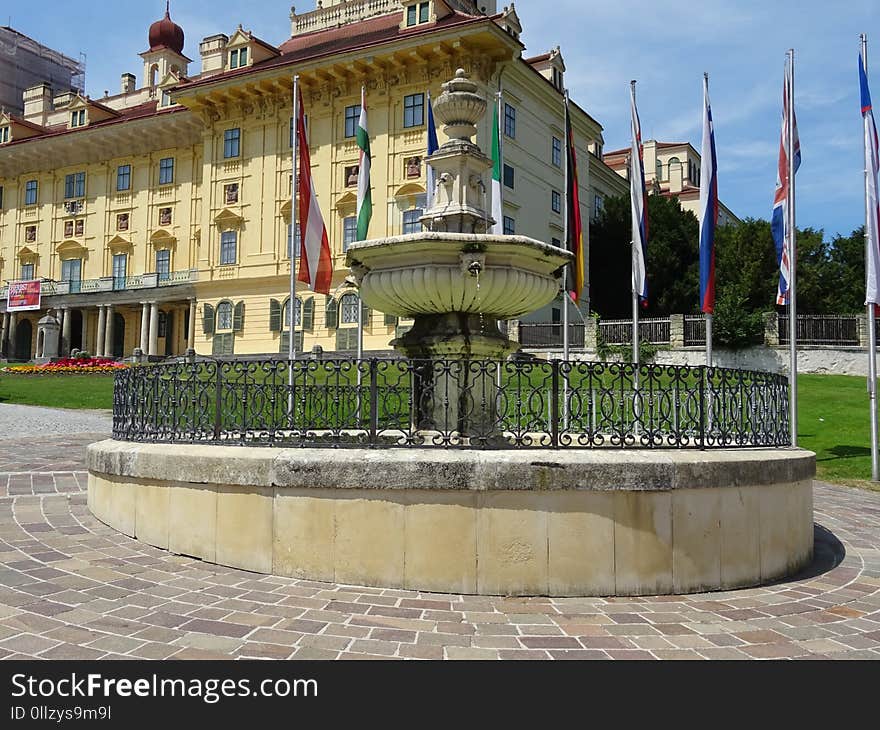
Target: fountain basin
603	522
434	272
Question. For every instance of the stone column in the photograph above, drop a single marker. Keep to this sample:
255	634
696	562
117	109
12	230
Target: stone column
513	330
591	334
145	327
102	330
85	330
191	335
771	329
4	329
108	332
676	331
64	349
863	329
154	329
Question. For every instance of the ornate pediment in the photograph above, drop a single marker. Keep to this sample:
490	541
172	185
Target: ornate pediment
119	244
227	219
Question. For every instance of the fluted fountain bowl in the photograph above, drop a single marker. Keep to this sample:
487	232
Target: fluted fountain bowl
503	277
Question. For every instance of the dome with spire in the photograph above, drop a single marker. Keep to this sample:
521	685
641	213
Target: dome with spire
166	33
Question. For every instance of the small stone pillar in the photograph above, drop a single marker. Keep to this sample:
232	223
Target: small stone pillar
676	331
863	329
513	330
591	334
48	339
771	329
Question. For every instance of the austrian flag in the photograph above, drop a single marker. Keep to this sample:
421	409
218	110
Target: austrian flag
316	265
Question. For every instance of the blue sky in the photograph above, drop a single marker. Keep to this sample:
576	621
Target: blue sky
665	45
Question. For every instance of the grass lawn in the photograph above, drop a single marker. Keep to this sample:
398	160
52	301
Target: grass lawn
833	421
93	391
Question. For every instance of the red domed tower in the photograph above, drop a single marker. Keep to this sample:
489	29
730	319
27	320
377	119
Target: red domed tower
165	56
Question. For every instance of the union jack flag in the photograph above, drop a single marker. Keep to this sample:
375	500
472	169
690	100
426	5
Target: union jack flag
780	223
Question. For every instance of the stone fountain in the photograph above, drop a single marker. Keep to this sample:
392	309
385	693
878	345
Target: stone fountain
455	279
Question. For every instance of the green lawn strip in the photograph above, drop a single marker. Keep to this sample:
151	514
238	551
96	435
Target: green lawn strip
93	391
834	422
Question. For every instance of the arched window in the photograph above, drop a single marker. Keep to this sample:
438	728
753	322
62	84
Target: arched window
673	161
349	307
659	169
224	316
154	72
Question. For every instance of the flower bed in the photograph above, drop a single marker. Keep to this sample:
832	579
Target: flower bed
68	365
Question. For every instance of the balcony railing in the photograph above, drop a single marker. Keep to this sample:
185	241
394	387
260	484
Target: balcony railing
110	283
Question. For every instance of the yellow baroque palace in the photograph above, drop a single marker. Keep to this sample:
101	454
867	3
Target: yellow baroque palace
159	218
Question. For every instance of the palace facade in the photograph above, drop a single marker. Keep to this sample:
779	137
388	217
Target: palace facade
159	218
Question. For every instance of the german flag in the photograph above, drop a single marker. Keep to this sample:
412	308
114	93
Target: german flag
575	234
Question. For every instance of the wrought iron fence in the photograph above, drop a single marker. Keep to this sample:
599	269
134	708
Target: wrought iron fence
822	329
475	404
544	334
694	330
651	329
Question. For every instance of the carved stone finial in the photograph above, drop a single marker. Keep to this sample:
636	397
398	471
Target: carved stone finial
460	107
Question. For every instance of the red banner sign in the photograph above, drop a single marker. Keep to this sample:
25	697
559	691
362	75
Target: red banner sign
24	296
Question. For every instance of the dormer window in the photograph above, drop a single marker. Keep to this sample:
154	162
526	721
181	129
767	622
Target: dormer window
166	99
4	135
418	13
78	118
238	58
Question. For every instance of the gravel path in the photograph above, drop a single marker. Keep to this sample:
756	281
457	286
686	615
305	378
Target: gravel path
19	421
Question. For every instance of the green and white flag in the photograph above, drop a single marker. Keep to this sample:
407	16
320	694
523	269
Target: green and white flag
364	194
497	204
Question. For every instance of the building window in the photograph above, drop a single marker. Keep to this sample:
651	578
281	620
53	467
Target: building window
30	192
414	110
71	271
659	168
297	316
163	264
238	58
411	222
122	222
75	185
231	143
598	205
27	272
508	176
298	240
166	171
120	263
224	316
78	118
349	305
418	13
556	153
509	121
228	246
352	117
349	232
555	201
123	178
166	99
509	226
4	135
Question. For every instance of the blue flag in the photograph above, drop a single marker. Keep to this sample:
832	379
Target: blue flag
432	148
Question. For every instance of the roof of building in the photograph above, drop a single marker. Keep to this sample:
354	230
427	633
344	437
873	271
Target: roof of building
165	33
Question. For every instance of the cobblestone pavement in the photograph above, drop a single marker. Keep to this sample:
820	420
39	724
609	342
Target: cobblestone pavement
71	587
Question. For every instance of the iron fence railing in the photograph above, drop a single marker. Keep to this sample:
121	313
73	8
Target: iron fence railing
651	329
822	329
477	404
694	330
543	334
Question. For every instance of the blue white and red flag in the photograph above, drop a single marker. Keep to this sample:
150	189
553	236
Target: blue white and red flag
708	207
872	205
639	198
780	223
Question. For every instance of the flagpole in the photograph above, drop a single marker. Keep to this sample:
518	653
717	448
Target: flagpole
871	307
360	312
792	302
635	293
565	235
291	344
708	315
